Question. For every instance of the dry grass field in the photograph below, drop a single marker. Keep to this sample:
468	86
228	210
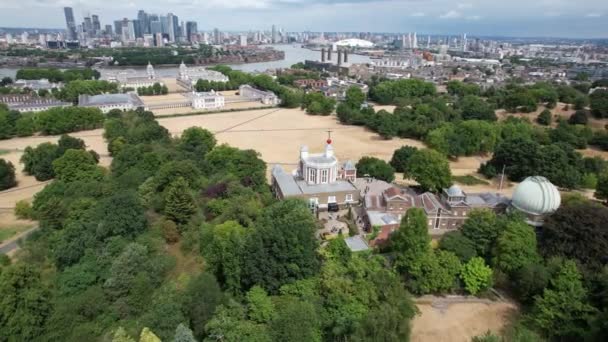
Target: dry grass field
276	133
459	322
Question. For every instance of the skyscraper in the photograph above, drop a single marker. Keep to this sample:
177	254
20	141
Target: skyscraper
70	23
217	36
118	27
274	35
87	25
415	41
96	23
191	29
144	23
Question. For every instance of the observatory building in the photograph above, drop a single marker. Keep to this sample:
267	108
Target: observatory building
536	198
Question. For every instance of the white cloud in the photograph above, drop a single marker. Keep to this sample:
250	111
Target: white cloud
451	15
418	14
593	15
464	5
474	17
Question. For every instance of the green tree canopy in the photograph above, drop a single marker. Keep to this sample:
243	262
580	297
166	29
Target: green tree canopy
430	169
375	168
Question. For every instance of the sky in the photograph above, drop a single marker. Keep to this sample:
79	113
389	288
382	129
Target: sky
520	18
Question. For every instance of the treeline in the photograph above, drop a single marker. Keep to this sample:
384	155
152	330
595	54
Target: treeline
73	89
143	56
119	253
57	75
50	122
465	125
155	89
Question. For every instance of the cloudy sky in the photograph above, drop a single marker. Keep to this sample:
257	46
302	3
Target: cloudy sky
554	18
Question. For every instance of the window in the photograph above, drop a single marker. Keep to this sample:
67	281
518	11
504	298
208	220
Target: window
324	176
312	175
349	197
331	199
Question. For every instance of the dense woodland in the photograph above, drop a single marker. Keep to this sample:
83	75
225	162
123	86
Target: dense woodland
185	232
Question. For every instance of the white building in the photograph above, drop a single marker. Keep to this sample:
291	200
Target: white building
189	76
207	100
130	79
107	102
37	84
266	97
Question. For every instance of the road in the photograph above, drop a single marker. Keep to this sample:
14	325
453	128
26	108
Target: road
13	244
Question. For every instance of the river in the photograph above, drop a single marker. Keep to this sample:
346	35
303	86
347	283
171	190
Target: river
293	55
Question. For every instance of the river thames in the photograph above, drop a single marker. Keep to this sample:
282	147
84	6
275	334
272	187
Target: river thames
293	55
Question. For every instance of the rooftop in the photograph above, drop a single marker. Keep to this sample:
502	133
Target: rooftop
356	243
109	99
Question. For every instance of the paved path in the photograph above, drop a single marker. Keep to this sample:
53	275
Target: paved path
13	244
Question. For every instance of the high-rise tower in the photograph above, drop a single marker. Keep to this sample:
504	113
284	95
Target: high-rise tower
70	23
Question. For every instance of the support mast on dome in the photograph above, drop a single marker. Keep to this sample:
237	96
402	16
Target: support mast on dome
329	136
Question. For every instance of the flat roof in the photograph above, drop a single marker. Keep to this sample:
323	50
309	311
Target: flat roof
356	243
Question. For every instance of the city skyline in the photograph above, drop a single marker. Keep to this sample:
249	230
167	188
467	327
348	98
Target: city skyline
549	18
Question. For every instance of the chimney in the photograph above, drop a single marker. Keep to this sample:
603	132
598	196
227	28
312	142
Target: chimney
345	56
339	57
329	54
322	54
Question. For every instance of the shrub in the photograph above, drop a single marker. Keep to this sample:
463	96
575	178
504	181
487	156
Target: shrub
170	233
23	210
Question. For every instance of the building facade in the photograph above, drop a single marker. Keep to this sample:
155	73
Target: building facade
251	93
445	212
188	77
319	180
108	102
207	100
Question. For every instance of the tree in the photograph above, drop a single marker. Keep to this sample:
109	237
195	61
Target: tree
577	231
483	229
530	281
223	250
183	334
354	97
544	118
203	296
411	241
563	310
25	304
120	335
120	214
457	243
598	102
515	247
476	275
77	165
475	108
39	161
601	190
229	324
197	140
296	321
282	248
179	202
7	175
261	308
430	169
375	168
578	118
401	157
148	336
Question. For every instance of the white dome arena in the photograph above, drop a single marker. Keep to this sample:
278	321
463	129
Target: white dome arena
536	196
355	43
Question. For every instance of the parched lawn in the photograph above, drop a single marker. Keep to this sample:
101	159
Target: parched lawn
469	180
11	231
